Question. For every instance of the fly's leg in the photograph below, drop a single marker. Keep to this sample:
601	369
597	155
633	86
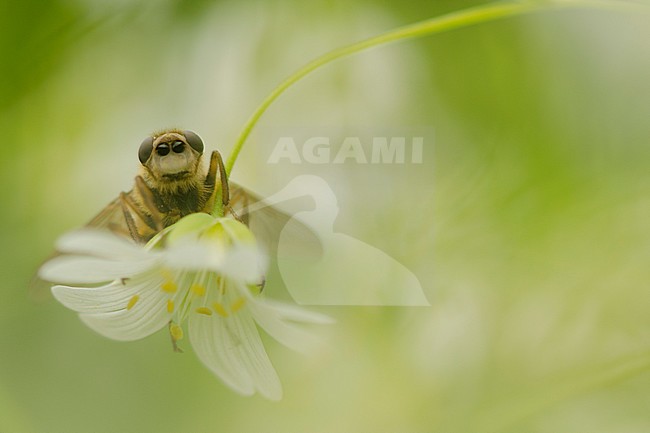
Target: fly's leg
141	226
129	209
261	284
245	216
155	221
225	191
210	182
216	165
234	214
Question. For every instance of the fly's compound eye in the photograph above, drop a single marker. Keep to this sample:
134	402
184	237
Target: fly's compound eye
162	149
194	141
145	150
178	146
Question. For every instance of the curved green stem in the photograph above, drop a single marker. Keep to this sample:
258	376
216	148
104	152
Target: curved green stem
431	26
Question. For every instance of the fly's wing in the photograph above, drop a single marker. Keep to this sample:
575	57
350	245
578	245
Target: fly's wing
111	218
267	222
129	216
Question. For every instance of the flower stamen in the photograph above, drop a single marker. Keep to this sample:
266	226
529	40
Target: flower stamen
176	331
237	305
204	310
169	286
176	334
170	306
132	302
198	289
220	309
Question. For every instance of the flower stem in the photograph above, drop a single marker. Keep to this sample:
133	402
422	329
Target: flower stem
454	20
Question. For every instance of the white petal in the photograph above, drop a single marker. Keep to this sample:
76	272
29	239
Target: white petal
255	358
295	313
82	269
278	319
194	256
112	297
101	244
238	263
216	346
148	315
246	264
231	347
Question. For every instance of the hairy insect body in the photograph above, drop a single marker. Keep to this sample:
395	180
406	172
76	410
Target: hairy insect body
177	200
171	184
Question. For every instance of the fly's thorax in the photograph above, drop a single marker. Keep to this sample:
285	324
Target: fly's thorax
173	200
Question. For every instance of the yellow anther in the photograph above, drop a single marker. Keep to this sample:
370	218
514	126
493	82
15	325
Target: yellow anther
169	286
132	302
220	309
176	332
238	305
204	310
170	306
198	289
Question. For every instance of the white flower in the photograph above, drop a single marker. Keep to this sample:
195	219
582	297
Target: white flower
203	270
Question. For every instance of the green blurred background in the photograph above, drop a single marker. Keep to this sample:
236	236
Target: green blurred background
527	224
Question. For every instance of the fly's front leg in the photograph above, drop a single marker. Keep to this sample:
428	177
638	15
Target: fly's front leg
136	221
225	191
210	183
155	221
216	165
141	226
245	218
